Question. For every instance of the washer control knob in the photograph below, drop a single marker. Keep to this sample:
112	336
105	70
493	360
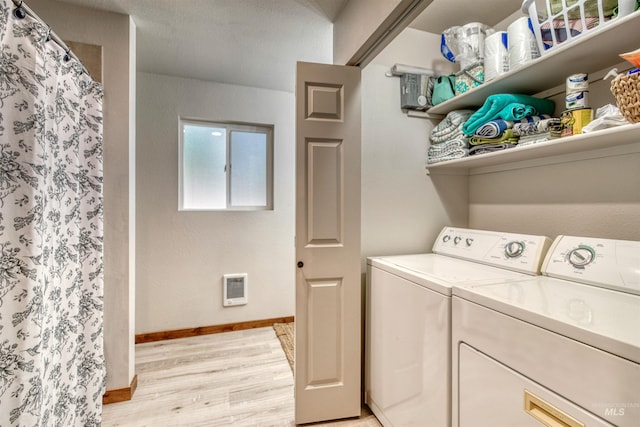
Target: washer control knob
581	256
446	238
469	241
457	239
514	249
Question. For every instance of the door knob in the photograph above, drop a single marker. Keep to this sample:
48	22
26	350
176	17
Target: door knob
300	264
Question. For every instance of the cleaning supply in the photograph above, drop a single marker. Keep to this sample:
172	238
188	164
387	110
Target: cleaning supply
577	100
574	120
577	91
577	83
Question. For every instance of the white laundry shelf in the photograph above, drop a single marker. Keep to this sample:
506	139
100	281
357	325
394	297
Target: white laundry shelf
604	143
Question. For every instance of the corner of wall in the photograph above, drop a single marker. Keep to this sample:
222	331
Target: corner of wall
132	194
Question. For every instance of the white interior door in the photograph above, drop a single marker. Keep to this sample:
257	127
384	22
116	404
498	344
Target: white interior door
328	284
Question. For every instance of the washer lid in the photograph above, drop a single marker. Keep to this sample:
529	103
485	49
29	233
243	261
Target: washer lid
602	318
440	273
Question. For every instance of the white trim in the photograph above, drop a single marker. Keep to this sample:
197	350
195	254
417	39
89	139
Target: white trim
230	127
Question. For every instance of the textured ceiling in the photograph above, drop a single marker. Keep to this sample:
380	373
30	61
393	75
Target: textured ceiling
257	42
243	42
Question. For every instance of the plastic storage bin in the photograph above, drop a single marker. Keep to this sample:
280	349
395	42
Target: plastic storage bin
560	21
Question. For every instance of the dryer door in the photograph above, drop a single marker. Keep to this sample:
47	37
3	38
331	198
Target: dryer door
491	394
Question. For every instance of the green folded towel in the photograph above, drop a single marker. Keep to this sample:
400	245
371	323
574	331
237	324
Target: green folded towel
507	106
506	137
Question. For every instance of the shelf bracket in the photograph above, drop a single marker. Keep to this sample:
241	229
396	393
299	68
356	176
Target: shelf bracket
422	114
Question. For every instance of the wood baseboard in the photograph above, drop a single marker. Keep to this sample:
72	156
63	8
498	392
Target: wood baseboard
206	330
121	394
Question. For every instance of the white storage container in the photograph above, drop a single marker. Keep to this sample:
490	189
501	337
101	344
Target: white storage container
559	21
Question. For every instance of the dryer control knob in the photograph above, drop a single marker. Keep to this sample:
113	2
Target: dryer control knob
457	239
514	249
581	256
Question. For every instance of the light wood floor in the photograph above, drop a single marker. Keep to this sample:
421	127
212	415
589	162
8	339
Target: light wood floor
237	378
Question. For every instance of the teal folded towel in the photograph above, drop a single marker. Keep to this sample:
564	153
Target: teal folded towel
507	106
516	111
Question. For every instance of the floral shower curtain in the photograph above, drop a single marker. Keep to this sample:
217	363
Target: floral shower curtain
52	369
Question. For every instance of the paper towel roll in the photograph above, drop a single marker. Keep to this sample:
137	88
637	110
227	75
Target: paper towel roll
470	40
522	43
496	55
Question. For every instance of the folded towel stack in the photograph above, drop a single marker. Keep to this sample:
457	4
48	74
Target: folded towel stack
538	131
509	107
500	124
451	126
450	150
448	142
494	128
491	128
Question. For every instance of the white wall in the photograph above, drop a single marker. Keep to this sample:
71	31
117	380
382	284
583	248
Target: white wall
592	197
113	32
402	210
181	256
598	198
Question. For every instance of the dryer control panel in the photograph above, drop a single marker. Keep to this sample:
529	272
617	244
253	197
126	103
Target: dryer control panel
607	263
518	252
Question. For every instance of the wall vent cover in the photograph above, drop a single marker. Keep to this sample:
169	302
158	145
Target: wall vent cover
234	289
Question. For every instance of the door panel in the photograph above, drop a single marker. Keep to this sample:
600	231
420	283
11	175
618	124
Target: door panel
324	192
324	335
328	283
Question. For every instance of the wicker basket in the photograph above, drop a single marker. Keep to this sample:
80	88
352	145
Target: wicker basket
626	89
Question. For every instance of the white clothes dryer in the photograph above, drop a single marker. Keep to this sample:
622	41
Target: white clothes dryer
408	318
561	349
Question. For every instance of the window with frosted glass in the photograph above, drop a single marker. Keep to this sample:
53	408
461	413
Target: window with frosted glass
248	168
225	166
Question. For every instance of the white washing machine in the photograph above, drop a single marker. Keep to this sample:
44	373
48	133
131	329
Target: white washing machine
408	318
562	349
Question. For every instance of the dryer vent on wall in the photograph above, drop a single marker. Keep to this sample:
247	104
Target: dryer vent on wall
234	289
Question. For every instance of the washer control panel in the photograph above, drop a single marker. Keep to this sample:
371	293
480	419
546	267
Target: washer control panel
514	249
518	252
607	263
